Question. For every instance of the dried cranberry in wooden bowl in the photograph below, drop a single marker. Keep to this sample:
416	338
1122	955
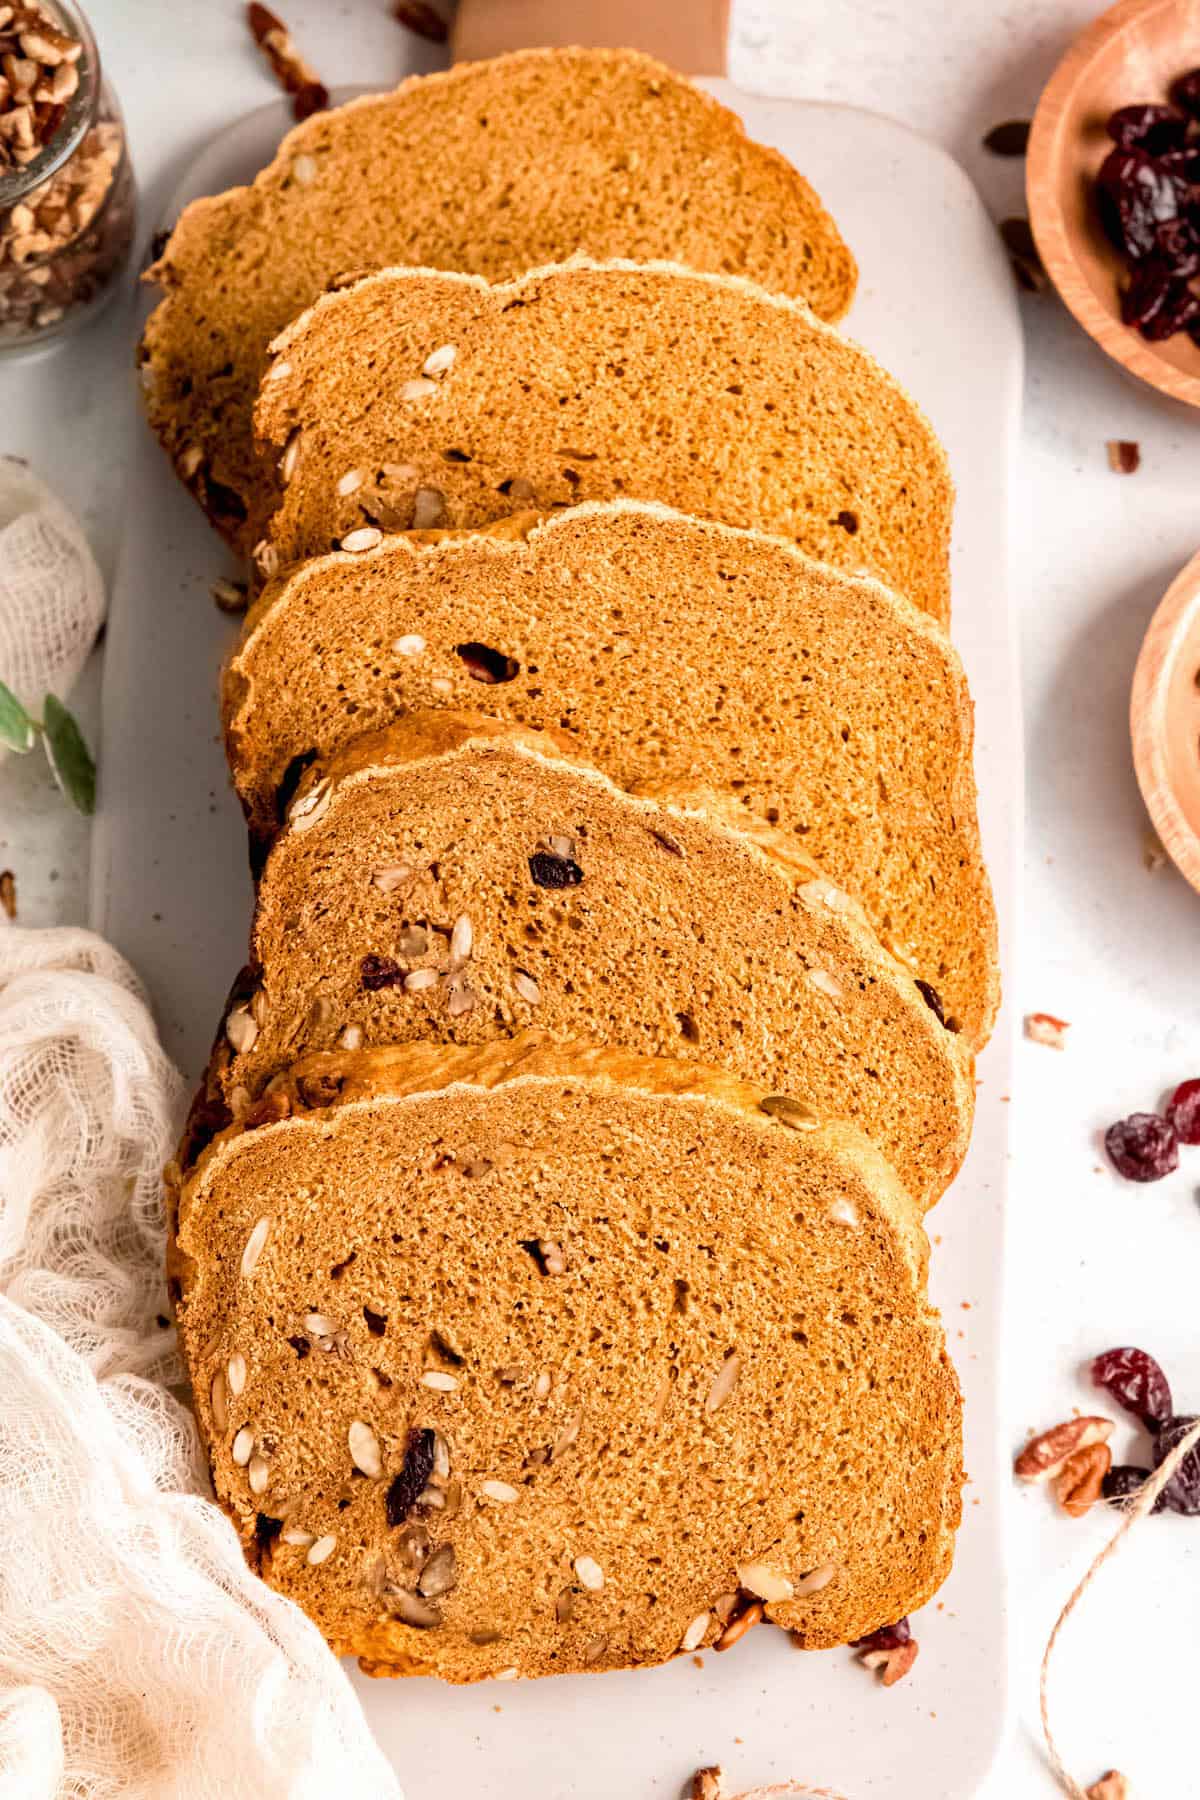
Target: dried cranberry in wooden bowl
1132	63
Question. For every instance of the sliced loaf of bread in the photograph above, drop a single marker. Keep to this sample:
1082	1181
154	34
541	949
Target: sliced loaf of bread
461	878
493	167
672	651
414	398
520	1359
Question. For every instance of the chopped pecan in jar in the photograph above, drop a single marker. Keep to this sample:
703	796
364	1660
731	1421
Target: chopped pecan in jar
63	239
39	74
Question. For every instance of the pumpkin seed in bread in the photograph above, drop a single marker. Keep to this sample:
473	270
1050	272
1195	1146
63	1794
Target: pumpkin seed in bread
414	398
672	651
523	1359
492	167
458	877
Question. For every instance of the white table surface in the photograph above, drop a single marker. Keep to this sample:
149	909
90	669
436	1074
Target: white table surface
1106	944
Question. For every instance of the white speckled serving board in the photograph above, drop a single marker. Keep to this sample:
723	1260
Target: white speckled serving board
170	888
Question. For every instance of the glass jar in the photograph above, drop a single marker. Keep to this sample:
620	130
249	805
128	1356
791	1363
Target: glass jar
67	193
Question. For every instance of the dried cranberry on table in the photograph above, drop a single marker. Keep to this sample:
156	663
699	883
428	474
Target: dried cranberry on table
1023	254
1142	1147
889	1652
1183	1110
1009	139
1123	1483
888	1637
1182	1492
1136	1382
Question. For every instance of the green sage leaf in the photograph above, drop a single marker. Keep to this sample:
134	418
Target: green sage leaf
17	729
70	759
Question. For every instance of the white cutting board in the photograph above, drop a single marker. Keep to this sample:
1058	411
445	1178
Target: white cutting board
170	889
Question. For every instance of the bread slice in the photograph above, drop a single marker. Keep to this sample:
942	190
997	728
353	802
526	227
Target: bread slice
458	877
493	167
670	651
606	1340
417	398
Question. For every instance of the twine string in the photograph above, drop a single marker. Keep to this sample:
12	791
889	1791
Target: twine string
794	1790
1148	1494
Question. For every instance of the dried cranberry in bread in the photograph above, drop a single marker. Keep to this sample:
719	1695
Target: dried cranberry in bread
523	1359
672	651
494	167
458	877
416	398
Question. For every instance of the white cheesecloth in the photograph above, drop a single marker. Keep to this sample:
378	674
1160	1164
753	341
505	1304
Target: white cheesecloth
51	592
139	1656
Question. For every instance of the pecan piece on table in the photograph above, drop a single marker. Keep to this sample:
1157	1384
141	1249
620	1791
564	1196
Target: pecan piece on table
894	1664
1080	1484
1109	1787
1045	1456
294	75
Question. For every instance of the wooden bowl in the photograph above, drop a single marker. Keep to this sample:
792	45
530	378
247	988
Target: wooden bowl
1165	721
1131	53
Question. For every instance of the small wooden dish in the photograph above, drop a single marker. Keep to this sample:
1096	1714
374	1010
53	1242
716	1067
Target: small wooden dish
1165	721
1131	53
